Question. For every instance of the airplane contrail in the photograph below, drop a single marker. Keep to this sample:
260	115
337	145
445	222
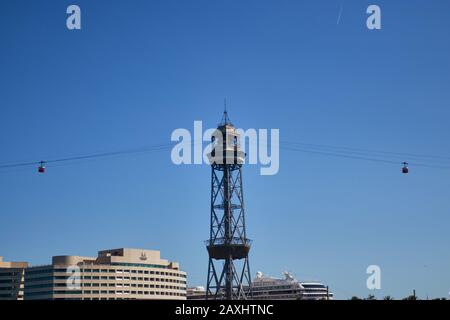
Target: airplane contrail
340	13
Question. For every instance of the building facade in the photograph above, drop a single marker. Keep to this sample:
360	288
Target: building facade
12	280
116	274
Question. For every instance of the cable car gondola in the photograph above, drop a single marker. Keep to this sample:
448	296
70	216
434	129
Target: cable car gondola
405	169
41	168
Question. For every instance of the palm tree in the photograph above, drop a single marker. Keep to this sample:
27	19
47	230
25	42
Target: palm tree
388	298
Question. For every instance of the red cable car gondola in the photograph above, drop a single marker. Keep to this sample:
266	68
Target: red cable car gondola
41	168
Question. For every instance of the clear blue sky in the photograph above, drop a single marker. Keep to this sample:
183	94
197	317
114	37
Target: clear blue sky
139	69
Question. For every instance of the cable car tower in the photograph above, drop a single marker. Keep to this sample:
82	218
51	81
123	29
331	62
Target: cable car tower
228	245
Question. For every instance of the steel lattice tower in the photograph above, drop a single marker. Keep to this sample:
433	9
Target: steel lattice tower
228	245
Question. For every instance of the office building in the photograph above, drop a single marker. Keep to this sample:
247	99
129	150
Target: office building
12	280
116	274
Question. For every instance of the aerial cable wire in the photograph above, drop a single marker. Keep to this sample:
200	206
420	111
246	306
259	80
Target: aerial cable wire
366	158
134	151
429	161
90	156
410	155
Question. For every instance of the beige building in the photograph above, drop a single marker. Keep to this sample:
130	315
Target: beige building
115	274
12	280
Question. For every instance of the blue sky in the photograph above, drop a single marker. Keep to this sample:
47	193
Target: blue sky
138	70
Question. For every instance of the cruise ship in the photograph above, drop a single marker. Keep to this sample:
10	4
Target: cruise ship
268	288
288	288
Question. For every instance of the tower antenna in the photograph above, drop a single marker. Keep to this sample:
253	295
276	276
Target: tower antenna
225	119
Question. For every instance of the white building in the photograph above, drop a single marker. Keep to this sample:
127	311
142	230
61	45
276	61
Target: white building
115	274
